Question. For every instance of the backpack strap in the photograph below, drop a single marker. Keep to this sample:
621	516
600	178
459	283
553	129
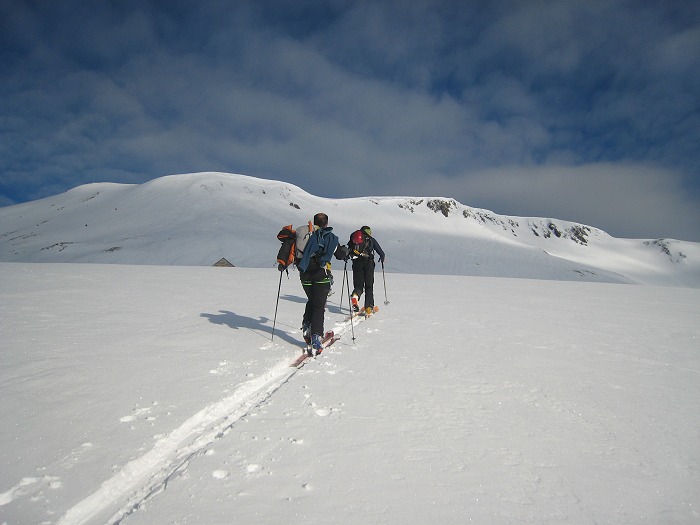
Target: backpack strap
363	248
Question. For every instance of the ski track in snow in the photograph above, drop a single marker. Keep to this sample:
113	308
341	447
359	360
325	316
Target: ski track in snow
145	477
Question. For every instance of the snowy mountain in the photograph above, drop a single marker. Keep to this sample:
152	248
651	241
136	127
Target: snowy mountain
151	392
196	219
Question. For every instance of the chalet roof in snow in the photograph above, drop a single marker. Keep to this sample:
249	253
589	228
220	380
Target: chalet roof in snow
224	263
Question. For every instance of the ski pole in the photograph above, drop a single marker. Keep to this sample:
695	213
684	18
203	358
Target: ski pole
386	301
276	305
342	286
352	324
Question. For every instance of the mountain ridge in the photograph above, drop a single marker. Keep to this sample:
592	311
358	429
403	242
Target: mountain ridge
198	218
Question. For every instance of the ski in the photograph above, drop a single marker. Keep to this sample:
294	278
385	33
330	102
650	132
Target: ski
329	338
327	341
374	311
361	313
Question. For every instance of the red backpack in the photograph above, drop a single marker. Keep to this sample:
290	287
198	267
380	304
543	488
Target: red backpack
360	244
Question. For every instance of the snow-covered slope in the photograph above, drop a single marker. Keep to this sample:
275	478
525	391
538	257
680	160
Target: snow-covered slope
196	219
154	395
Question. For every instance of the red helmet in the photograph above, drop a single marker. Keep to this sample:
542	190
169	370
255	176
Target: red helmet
357	237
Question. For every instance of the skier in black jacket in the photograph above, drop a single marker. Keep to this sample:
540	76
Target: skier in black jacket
361	249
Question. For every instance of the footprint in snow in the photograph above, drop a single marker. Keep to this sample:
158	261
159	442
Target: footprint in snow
326	411
139	414
25	487
75	455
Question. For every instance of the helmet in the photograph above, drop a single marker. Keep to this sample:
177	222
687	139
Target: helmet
356	237
367	230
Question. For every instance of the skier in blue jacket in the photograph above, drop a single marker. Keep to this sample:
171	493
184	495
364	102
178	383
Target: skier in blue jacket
314	272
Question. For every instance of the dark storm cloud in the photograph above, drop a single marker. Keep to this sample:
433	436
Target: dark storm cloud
475	100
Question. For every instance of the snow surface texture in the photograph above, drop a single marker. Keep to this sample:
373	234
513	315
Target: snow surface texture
154	395
196	219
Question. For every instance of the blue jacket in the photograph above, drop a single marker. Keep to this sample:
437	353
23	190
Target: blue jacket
322	243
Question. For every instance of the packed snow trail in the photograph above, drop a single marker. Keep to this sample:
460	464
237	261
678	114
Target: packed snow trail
147	476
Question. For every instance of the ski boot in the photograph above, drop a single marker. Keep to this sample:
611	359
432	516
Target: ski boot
316	344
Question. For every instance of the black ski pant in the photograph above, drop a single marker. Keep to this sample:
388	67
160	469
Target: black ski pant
363	279
317	285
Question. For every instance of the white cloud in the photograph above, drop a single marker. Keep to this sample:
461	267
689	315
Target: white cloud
376	98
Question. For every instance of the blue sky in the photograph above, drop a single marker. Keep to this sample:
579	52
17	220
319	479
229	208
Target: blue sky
581	110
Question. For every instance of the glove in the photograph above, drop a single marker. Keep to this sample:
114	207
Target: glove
341	253
281	267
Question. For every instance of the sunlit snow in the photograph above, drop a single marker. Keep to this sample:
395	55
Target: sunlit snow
153	394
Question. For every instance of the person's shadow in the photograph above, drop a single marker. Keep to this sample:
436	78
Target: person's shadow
293	298
333	308
236	321
261	325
